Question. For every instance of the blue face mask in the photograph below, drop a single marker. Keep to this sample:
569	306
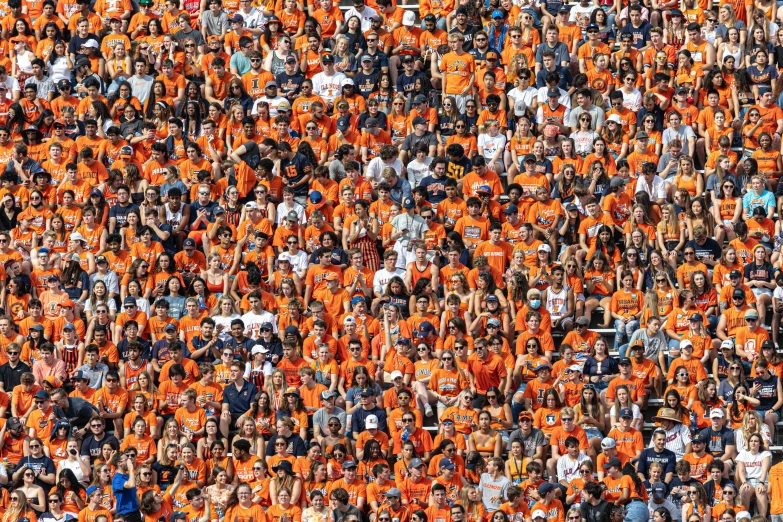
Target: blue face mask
534	303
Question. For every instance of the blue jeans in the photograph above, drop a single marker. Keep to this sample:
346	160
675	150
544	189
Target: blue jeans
622	350
623	329
637	511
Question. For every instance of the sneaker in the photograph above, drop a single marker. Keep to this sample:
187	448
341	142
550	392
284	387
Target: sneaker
428	410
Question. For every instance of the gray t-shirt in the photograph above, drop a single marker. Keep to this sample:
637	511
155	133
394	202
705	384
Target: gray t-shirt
197	37
321	418
596	112
215	24
684	133
530	443
141	87
491	488
652	345
95	375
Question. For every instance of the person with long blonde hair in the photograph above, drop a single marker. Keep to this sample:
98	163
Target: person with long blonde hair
751	425
276	387
18	508
470	499
397	120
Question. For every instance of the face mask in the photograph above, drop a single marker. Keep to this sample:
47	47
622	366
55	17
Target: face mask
534	304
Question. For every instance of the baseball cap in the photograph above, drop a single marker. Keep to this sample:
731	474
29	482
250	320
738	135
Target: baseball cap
416	463
716	413
699	438
738	293
170	328
446	464
189	242
497	13
408	203
41	395
553	92
659	490
614	462
409	18
626	413
329	394
608	443
751	314
641	135
371	422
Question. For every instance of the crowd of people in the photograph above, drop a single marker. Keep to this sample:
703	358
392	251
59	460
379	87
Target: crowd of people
277	261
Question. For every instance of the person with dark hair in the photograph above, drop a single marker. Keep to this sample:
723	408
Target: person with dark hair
594	508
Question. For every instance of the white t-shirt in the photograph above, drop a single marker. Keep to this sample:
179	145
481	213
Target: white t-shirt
254	321
376	166
417	171
273	104
568	469
382	278
492	145
739	438
676	440
328	87
753	463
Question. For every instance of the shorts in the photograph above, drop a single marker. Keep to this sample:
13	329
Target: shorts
763	413
581	297
593	433
762	291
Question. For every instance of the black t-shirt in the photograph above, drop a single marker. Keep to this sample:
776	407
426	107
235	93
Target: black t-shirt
12	377
467	35
599	513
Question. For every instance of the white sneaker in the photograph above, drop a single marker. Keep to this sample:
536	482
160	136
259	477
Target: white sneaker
428	410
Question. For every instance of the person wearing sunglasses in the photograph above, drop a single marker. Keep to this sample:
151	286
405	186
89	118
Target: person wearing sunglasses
719	487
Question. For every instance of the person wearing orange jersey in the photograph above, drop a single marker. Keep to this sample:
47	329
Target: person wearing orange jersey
112	401
625	490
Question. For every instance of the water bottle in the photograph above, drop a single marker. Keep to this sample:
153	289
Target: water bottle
694	425
405	434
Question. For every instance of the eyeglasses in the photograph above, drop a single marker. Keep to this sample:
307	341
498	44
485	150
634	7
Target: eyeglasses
54	500
280	444
728	492
689	253
682	374
112	380
735	368
372	40
407	420
33	446
203	193
146	474
566	419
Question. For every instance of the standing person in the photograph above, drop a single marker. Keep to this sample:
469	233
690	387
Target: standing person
459	72
124	487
